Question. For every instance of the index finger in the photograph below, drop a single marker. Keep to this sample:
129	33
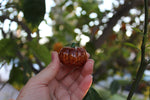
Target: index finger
88	67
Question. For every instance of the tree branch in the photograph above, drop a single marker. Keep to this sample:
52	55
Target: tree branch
122	11
143	63
3	86
28	38
3	17
3	33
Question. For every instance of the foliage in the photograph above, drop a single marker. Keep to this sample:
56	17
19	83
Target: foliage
111	36
92	95
36	8
39	51
8	51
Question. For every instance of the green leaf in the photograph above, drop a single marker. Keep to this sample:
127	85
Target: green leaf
26	70
90	48
8	48
34	11
123	82
70	8
131	45
40	51
137	30
16	76
114	87
92	95
117	97
22	73
148	46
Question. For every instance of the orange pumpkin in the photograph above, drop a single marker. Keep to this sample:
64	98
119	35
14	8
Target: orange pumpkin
57	46
75	57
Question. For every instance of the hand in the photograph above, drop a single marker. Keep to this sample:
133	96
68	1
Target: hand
57	82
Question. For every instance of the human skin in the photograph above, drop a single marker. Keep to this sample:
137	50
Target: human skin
58	82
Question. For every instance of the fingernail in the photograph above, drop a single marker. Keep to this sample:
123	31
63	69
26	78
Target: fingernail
91	61
91	76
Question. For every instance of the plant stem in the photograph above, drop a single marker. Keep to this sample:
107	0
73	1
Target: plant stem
73	45
143	63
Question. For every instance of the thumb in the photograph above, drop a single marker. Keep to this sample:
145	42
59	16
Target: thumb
50	71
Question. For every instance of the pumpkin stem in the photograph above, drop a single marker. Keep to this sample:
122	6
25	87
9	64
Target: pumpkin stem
73	45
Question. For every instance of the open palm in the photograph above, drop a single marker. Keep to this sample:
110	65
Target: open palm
58	82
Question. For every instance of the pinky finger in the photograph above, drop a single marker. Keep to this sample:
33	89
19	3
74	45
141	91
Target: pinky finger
83	88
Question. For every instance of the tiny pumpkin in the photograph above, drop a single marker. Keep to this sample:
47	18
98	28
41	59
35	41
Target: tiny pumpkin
57	46
75	57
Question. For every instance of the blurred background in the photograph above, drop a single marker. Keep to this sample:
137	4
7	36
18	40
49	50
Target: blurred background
110	30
